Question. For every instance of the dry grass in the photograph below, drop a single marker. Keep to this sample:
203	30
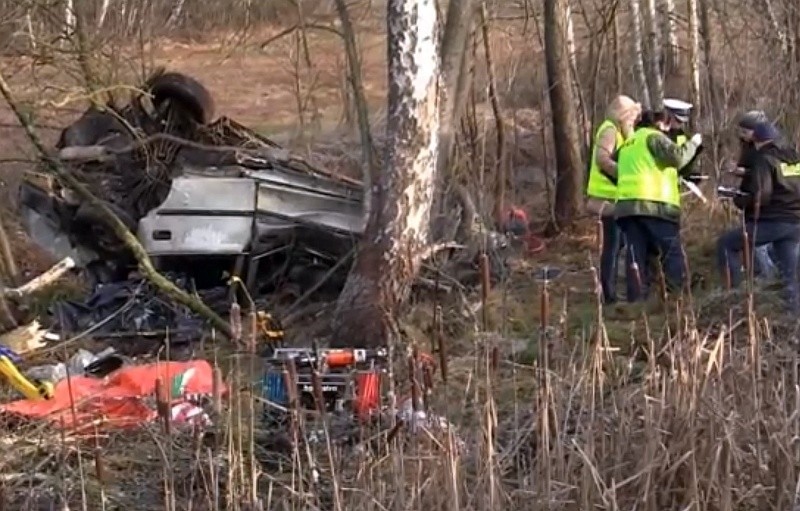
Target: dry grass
690	417
676	406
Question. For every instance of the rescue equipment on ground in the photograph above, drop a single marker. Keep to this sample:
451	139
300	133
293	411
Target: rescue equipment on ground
327	380
30	388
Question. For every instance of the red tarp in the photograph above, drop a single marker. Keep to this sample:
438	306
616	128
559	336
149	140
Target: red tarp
125	398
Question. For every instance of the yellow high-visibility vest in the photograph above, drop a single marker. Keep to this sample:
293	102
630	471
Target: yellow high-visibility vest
639	176
600	186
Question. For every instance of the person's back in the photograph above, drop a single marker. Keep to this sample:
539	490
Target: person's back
648	183
783	164
771	210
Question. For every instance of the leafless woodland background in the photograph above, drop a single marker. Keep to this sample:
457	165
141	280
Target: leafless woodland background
747	56
631	410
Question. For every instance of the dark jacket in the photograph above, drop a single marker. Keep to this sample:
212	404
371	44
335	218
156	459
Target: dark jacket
772	195
747	152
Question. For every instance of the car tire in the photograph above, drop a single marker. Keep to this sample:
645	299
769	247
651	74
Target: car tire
185	91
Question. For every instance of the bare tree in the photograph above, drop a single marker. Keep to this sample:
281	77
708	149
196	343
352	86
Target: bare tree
694	53
654	55
564	118
359	98
670	32
638	54
457	29
708	47
397	232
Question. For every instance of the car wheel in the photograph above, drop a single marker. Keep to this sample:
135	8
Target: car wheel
185	91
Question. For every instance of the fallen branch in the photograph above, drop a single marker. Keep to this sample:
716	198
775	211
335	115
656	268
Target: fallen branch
117	226
44	280
9	264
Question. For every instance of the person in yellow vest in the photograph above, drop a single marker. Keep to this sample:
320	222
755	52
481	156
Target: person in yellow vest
601	189
648	202
679	113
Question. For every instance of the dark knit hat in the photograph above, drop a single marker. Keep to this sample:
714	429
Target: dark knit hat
749	120
765	132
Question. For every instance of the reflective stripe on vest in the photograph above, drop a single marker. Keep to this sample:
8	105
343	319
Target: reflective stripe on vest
599	185
639	176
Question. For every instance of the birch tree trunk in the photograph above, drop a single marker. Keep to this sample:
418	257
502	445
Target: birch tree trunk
569	174
638	54
654	56
777	26
397	233
708	49
69	18
101	16
176	13
616	51
694	56
672	57
577	92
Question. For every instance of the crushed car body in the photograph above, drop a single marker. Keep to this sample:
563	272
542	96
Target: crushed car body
192	190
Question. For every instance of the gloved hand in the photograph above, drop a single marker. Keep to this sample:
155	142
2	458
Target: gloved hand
695	178
697	139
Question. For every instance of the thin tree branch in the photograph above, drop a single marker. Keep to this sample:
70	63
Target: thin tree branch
117	226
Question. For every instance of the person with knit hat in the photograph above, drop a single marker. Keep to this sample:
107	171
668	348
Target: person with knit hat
747	123
763	265
771	209
601	188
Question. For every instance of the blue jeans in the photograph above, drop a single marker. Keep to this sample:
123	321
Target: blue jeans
785	238
609	257
763	265
646	237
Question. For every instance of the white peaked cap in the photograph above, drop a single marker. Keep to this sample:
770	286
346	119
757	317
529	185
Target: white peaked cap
677	104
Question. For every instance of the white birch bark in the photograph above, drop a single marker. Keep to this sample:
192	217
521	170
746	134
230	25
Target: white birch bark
397	233
670	32
638	54
694	54
654	57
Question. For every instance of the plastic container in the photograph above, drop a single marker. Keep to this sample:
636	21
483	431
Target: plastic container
274	388
368	394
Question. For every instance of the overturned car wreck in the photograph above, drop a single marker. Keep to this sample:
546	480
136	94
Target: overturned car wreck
208	198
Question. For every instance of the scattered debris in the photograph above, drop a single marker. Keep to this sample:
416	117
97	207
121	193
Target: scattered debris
26	338
133	308
126	398
82	363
